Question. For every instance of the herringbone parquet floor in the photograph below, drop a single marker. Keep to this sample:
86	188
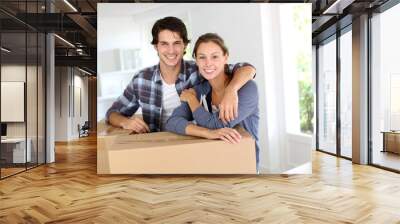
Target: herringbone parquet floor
69	191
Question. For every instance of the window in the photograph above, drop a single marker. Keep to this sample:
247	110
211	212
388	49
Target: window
296	59
327	96
346	94
385	88
22	65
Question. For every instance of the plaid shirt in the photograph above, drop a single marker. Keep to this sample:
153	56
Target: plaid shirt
145	91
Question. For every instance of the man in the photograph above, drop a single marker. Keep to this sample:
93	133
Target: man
156	89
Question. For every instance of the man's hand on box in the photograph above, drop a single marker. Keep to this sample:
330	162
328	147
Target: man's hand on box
136	124
229	135
228	108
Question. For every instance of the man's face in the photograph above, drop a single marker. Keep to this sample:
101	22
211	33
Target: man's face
170	48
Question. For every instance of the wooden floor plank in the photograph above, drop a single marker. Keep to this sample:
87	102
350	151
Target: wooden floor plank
70	191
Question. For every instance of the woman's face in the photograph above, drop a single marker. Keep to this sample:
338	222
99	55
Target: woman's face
210	59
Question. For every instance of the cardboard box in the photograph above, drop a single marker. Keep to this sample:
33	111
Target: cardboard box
391	142
118	152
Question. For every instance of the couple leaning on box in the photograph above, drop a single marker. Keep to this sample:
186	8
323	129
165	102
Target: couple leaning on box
174	96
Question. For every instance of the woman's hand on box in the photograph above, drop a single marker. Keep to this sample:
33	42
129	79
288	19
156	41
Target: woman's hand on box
229	135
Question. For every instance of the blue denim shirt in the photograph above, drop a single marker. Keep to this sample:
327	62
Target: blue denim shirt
248	113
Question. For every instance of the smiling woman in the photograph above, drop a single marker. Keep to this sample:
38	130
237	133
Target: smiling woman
211	56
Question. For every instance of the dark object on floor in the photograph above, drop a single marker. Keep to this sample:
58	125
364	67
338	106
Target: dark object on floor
84	130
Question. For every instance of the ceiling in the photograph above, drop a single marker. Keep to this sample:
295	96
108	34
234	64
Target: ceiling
76	22
332	15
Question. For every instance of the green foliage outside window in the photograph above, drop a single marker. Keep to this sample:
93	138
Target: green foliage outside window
303	65
306	107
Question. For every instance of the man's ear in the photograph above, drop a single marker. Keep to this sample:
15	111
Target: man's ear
184	49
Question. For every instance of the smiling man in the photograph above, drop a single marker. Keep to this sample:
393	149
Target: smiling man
156	89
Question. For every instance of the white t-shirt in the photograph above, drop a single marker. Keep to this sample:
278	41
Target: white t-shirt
170	101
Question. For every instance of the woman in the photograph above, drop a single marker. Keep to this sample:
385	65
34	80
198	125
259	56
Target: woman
200	103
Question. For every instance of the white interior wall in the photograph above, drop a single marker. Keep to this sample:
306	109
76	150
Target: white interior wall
110	45
14	73
112	39
61	103
241	47
34	106
67	84
80	114
85	99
